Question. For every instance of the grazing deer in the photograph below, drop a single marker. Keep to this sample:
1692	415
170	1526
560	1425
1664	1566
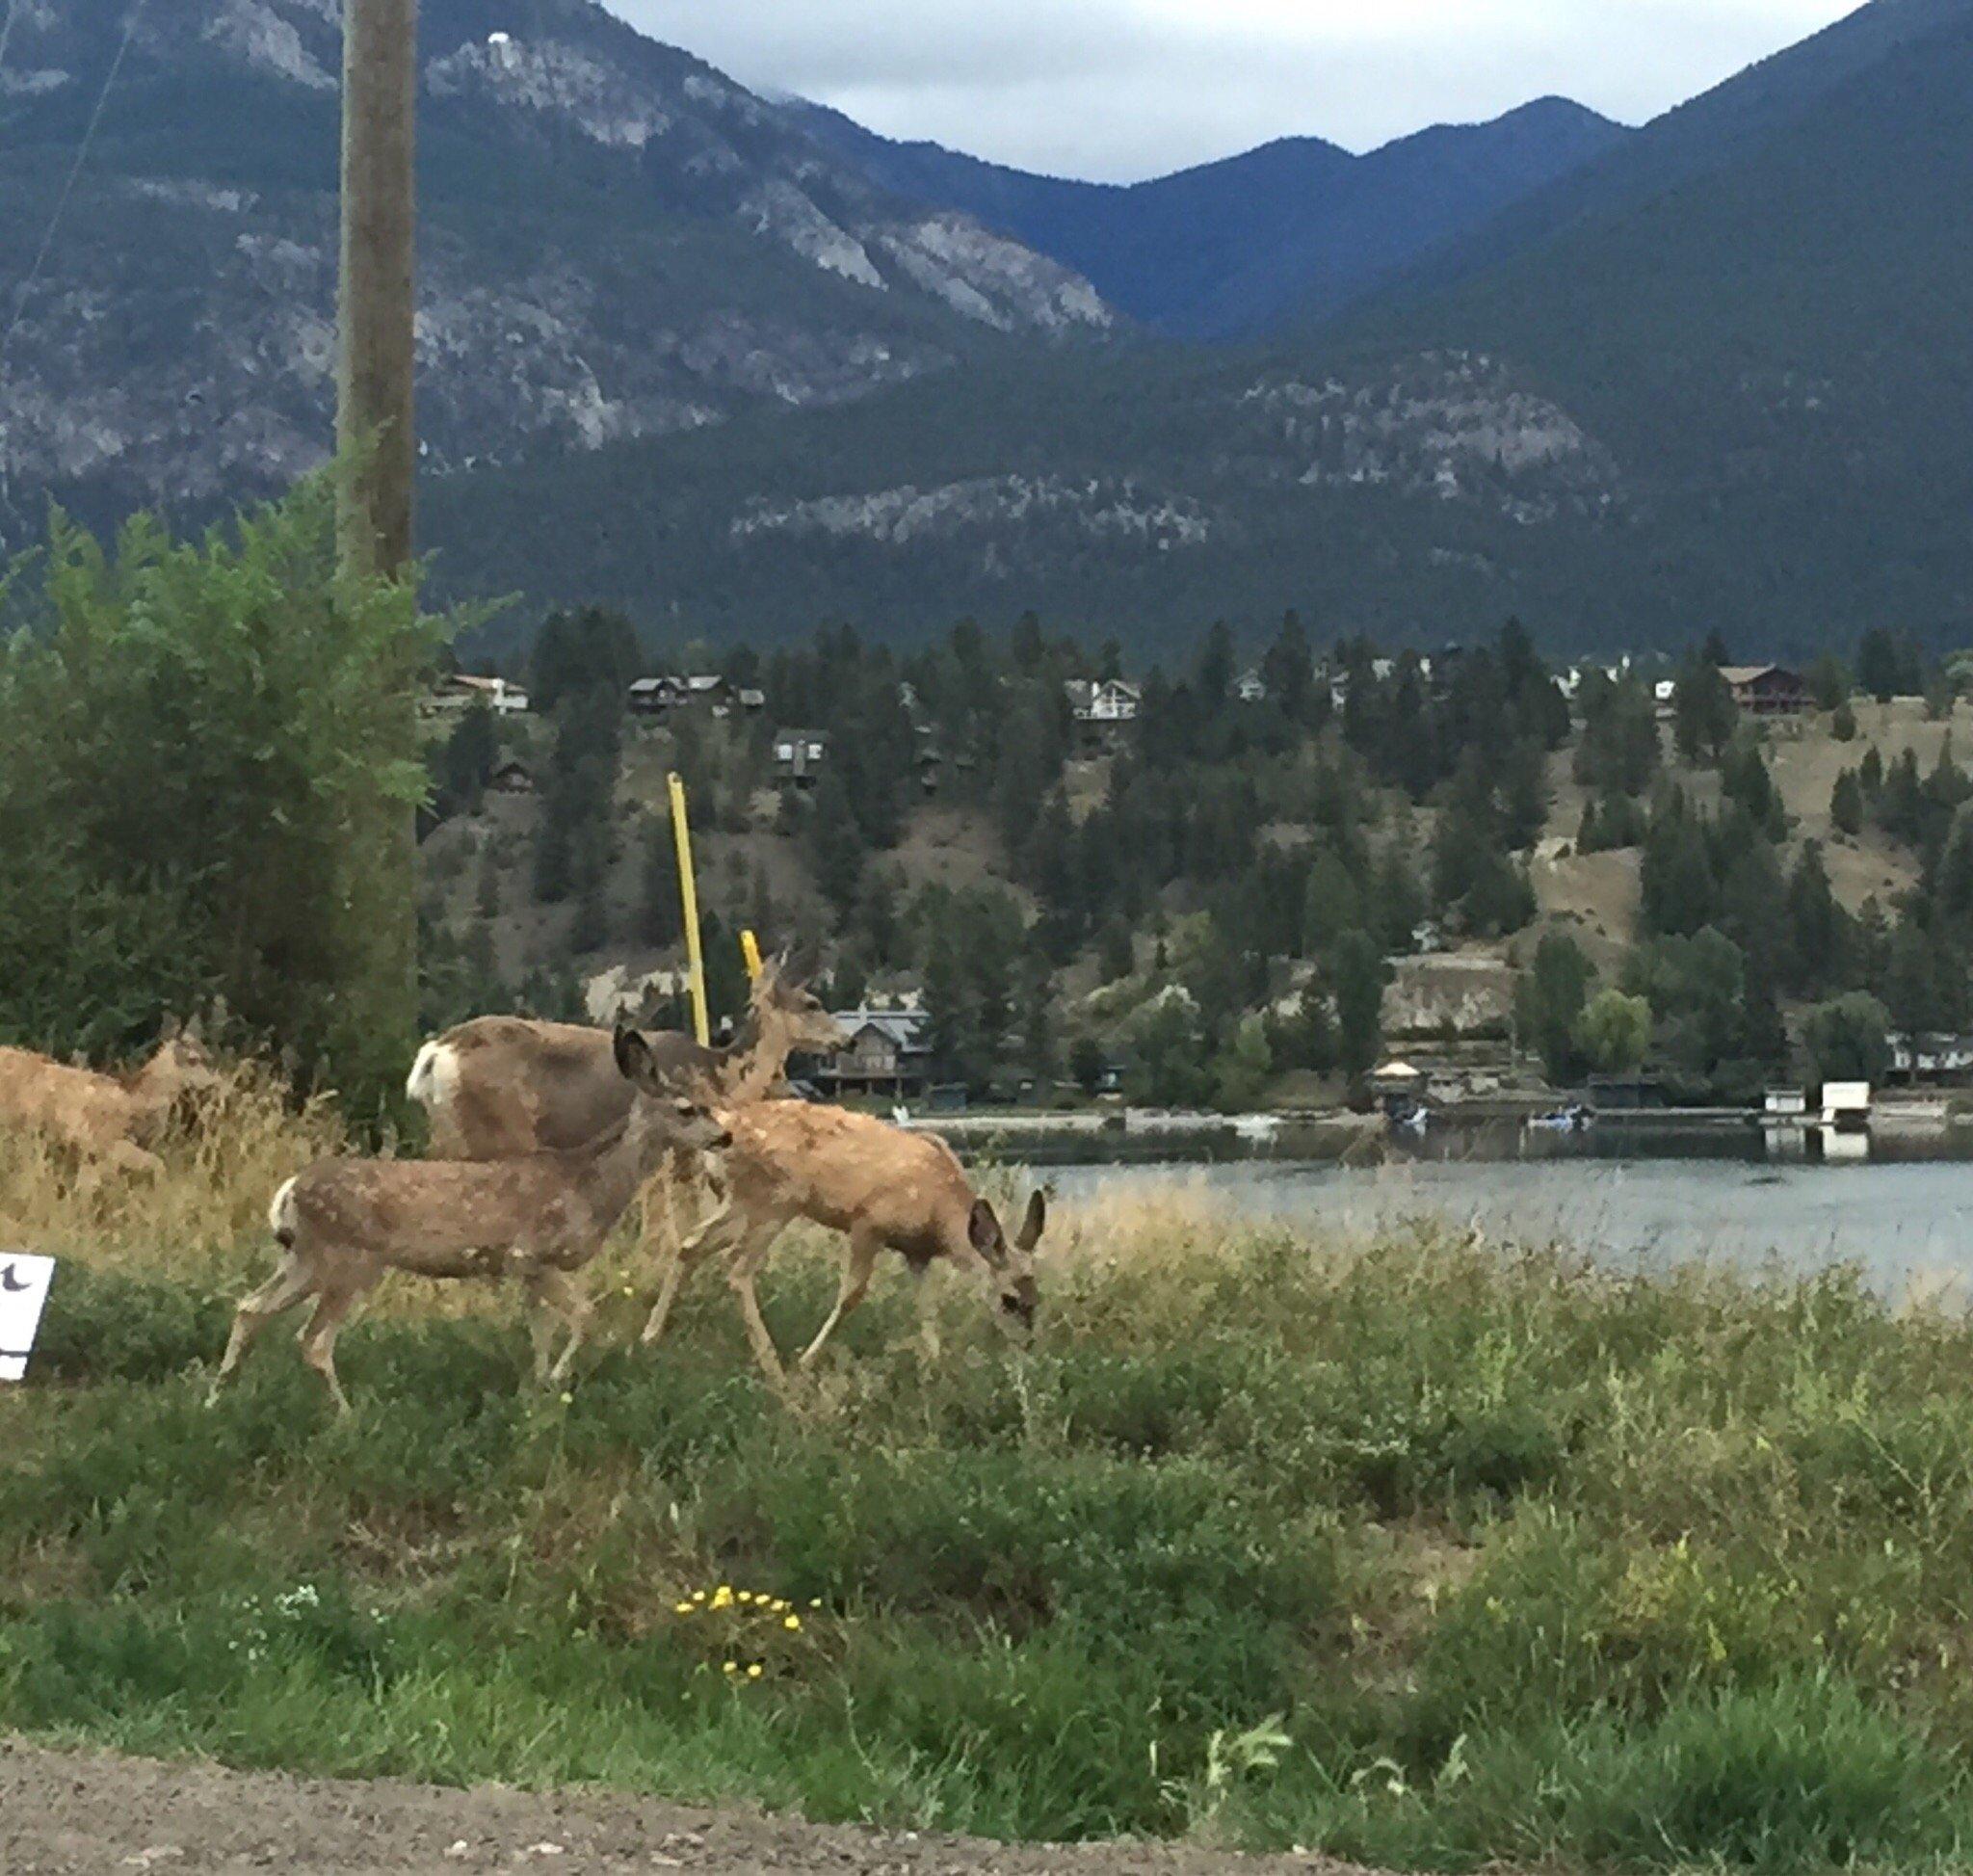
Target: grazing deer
881	1187
112	1117
500	1086
343	1225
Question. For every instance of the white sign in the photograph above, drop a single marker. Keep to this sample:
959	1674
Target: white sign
23	1290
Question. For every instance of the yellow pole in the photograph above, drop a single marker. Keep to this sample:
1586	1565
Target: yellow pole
750	950
688	888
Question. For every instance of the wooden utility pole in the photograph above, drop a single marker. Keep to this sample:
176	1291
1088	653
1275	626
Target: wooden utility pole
376	356
377	308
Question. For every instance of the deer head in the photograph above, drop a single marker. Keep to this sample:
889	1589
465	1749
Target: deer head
787	1010
683	1120
1012	1265
182	1064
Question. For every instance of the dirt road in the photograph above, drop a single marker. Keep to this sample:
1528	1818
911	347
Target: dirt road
64	1814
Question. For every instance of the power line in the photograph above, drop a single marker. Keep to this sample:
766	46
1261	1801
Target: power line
88	134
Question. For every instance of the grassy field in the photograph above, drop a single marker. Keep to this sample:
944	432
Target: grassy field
1432	1554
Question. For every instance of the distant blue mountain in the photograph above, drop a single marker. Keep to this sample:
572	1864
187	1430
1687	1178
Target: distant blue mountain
1293	227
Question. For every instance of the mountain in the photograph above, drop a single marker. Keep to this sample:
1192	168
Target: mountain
1229	247
617	242
1706	134
1722	381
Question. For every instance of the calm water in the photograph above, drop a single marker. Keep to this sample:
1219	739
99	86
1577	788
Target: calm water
1904	1215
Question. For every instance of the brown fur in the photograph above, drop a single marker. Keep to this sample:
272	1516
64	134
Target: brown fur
345	1224
117	1119
519	1086
882	1187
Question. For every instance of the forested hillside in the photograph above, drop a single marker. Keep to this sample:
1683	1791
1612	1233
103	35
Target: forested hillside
1228	891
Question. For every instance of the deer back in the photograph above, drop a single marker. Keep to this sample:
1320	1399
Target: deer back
79	1104
851	1172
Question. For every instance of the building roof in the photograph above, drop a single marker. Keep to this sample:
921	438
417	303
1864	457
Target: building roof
904	1029
1739	676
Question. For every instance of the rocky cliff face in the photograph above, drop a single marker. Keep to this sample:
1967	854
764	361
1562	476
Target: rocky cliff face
617	242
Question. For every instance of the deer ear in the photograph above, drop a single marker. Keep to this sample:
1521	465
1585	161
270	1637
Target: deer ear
1034	1223
193	1031
984	1229
633	1052
168	1032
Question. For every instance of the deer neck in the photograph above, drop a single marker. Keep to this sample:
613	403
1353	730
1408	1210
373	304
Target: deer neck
758	1066
152	1090
624	1158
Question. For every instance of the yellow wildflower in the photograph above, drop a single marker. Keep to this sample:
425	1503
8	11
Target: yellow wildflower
754	1673
698	1596
791	1621
732	1667
681	1608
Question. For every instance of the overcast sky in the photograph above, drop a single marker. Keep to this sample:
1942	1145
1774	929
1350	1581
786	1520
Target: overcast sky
1123	89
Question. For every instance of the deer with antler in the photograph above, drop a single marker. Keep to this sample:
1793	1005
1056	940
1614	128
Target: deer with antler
343	1225
498	1086
881	1187
110	1117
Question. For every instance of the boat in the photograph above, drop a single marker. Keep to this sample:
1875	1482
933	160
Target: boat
1260	1127
1573	1119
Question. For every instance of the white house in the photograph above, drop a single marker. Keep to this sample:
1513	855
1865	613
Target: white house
1111	701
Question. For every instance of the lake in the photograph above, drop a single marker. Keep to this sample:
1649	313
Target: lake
1903	1215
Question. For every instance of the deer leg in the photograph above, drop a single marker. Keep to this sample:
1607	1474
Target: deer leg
554	1295
854	1284
129	1157
318	1340
282	1291
740	1274
928	1318
718	1231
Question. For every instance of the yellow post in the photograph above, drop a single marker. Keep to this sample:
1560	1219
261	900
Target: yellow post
750	950
688	888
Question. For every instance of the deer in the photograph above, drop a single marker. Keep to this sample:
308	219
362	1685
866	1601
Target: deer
114	1119
881	1187
345	1224
500	1086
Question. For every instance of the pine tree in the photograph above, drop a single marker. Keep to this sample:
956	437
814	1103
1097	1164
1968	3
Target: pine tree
1358	976
1846	803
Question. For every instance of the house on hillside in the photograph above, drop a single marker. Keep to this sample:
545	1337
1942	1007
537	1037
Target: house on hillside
890	1053
654	697
1932	1056
1103	705
1765	690
1252	688
513	776
799	758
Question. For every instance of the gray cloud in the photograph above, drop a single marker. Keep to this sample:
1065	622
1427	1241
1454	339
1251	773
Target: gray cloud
1120	89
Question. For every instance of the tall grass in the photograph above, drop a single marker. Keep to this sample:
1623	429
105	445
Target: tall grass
1429	1554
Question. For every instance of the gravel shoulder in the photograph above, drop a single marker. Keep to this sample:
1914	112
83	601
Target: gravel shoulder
67	1813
